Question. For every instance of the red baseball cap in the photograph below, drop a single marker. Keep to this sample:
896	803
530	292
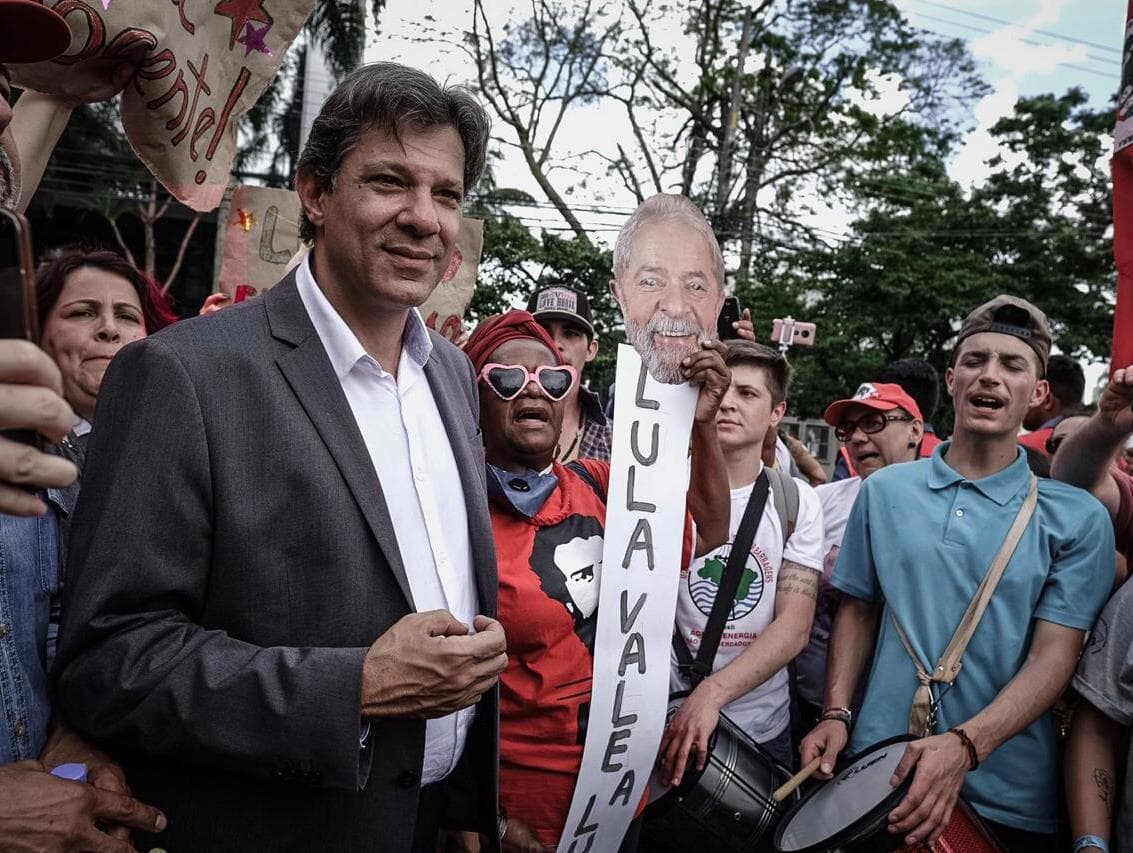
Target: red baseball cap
30	32
883	396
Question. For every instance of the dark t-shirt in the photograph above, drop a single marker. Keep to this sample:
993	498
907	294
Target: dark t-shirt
1105	680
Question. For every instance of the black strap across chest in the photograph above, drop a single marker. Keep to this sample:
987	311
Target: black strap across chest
700	668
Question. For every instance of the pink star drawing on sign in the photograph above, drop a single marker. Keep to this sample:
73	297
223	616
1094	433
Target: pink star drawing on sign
105	5
253	38
240	12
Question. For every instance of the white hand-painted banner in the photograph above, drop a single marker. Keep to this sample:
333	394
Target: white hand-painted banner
645	524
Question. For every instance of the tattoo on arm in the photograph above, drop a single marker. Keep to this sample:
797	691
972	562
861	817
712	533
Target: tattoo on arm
798	579
1104	780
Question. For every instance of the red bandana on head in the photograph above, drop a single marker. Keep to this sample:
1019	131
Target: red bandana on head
497	331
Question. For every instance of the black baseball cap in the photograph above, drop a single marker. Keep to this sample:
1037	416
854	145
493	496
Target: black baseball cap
559	302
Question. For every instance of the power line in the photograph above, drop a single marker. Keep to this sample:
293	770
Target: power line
1099	73
994	20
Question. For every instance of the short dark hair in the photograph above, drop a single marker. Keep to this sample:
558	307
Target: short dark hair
52	275
1067	380
390	96
771	361
918	379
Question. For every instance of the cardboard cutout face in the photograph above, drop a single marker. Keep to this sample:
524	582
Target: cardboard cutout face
669	295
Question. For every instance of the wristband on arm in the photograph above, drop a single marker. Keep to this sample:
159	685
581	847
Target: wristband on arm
842	715
973	756
1085	842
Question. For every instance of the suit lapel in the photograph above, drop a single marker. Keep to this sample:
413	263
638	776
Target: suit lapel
454	413
308	371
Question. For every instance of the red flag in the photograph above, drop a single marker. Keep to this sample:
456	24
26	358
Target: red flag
1123	206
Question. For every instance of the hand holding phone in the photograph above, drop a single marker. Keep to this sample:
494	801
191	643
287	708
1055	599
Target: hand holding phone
31	388
729	315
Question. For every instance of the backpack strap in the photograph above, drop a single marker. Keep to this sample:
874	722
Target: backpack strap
785	496
583	472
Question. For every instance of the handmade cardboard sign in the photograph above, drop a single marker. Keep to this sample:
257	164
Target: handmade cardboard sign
260	237
201	64
261	241
645	524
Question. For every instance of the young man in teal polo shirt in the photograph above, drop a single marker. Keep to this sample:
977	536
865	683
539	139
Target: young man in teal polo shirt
918	542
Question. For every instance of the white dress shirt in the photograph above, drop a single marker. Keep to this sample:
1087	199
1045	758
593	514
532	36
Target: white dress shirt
409	447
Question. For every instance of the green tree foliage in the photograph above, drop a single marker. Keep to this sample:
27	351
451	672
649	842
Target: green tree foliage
925	252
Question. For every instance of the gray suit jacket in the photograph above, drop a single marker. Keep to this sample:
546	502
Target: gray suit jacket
232	558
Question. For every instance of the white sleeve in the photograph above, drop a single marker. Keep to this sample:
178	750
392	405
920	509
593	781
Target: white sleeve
805	545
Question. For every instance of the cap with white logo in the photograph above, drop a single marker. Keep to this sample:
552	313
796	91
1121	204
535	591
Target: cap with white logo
561	303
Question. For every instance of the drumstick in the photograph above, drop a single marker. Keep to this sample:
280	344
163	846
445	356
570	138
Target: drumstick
789	786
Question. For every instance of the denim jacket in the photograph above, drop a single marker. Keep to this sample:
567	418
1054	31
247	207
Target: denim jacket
31	567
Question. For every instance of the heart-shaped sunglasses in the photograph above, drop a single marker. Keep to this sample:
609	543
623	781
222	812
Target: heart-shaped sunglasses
509	380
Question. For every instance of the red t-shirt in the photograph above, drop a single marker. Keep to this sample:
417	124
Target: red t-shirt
1037	440
549	572
929	441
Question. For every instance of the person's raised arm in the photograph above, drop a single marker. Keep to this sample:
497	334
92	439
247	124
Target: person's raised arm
709	496
1085	457
809	467
38	120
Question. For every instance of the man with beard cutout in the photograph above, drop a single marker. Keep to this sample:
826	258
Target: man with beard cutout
669	282
919	541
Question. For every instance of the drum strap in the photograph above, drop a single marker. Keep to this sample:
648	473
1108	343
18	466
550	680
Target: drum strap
922	717
700	668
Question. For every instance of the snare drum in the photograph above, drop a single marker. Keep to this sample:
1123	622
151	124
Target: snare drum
849	814
725	807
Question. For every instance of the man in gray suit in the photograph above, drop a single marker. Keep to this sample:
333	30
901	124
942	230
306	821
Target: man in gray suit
282	574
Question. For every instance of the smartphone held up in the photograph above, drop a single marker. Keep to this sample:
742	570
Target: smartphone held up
17	278
17	292
729	316
788	332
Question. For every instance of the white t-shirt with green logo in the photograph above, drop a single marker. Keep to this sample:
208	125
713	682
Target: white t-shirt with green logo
764	712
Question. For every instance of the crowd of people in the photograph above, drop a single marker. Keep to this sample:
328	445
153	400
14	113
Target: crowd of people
332	583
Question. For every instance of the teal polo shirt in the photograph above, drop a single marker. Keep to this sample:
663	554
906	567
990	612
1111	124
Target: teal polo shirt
920	538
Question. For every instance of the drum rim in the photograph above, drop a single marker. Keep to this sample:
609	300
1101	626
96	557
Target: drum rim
863	826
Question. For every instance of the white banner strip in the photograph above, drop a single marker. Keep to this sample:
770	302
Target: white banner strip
645	523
